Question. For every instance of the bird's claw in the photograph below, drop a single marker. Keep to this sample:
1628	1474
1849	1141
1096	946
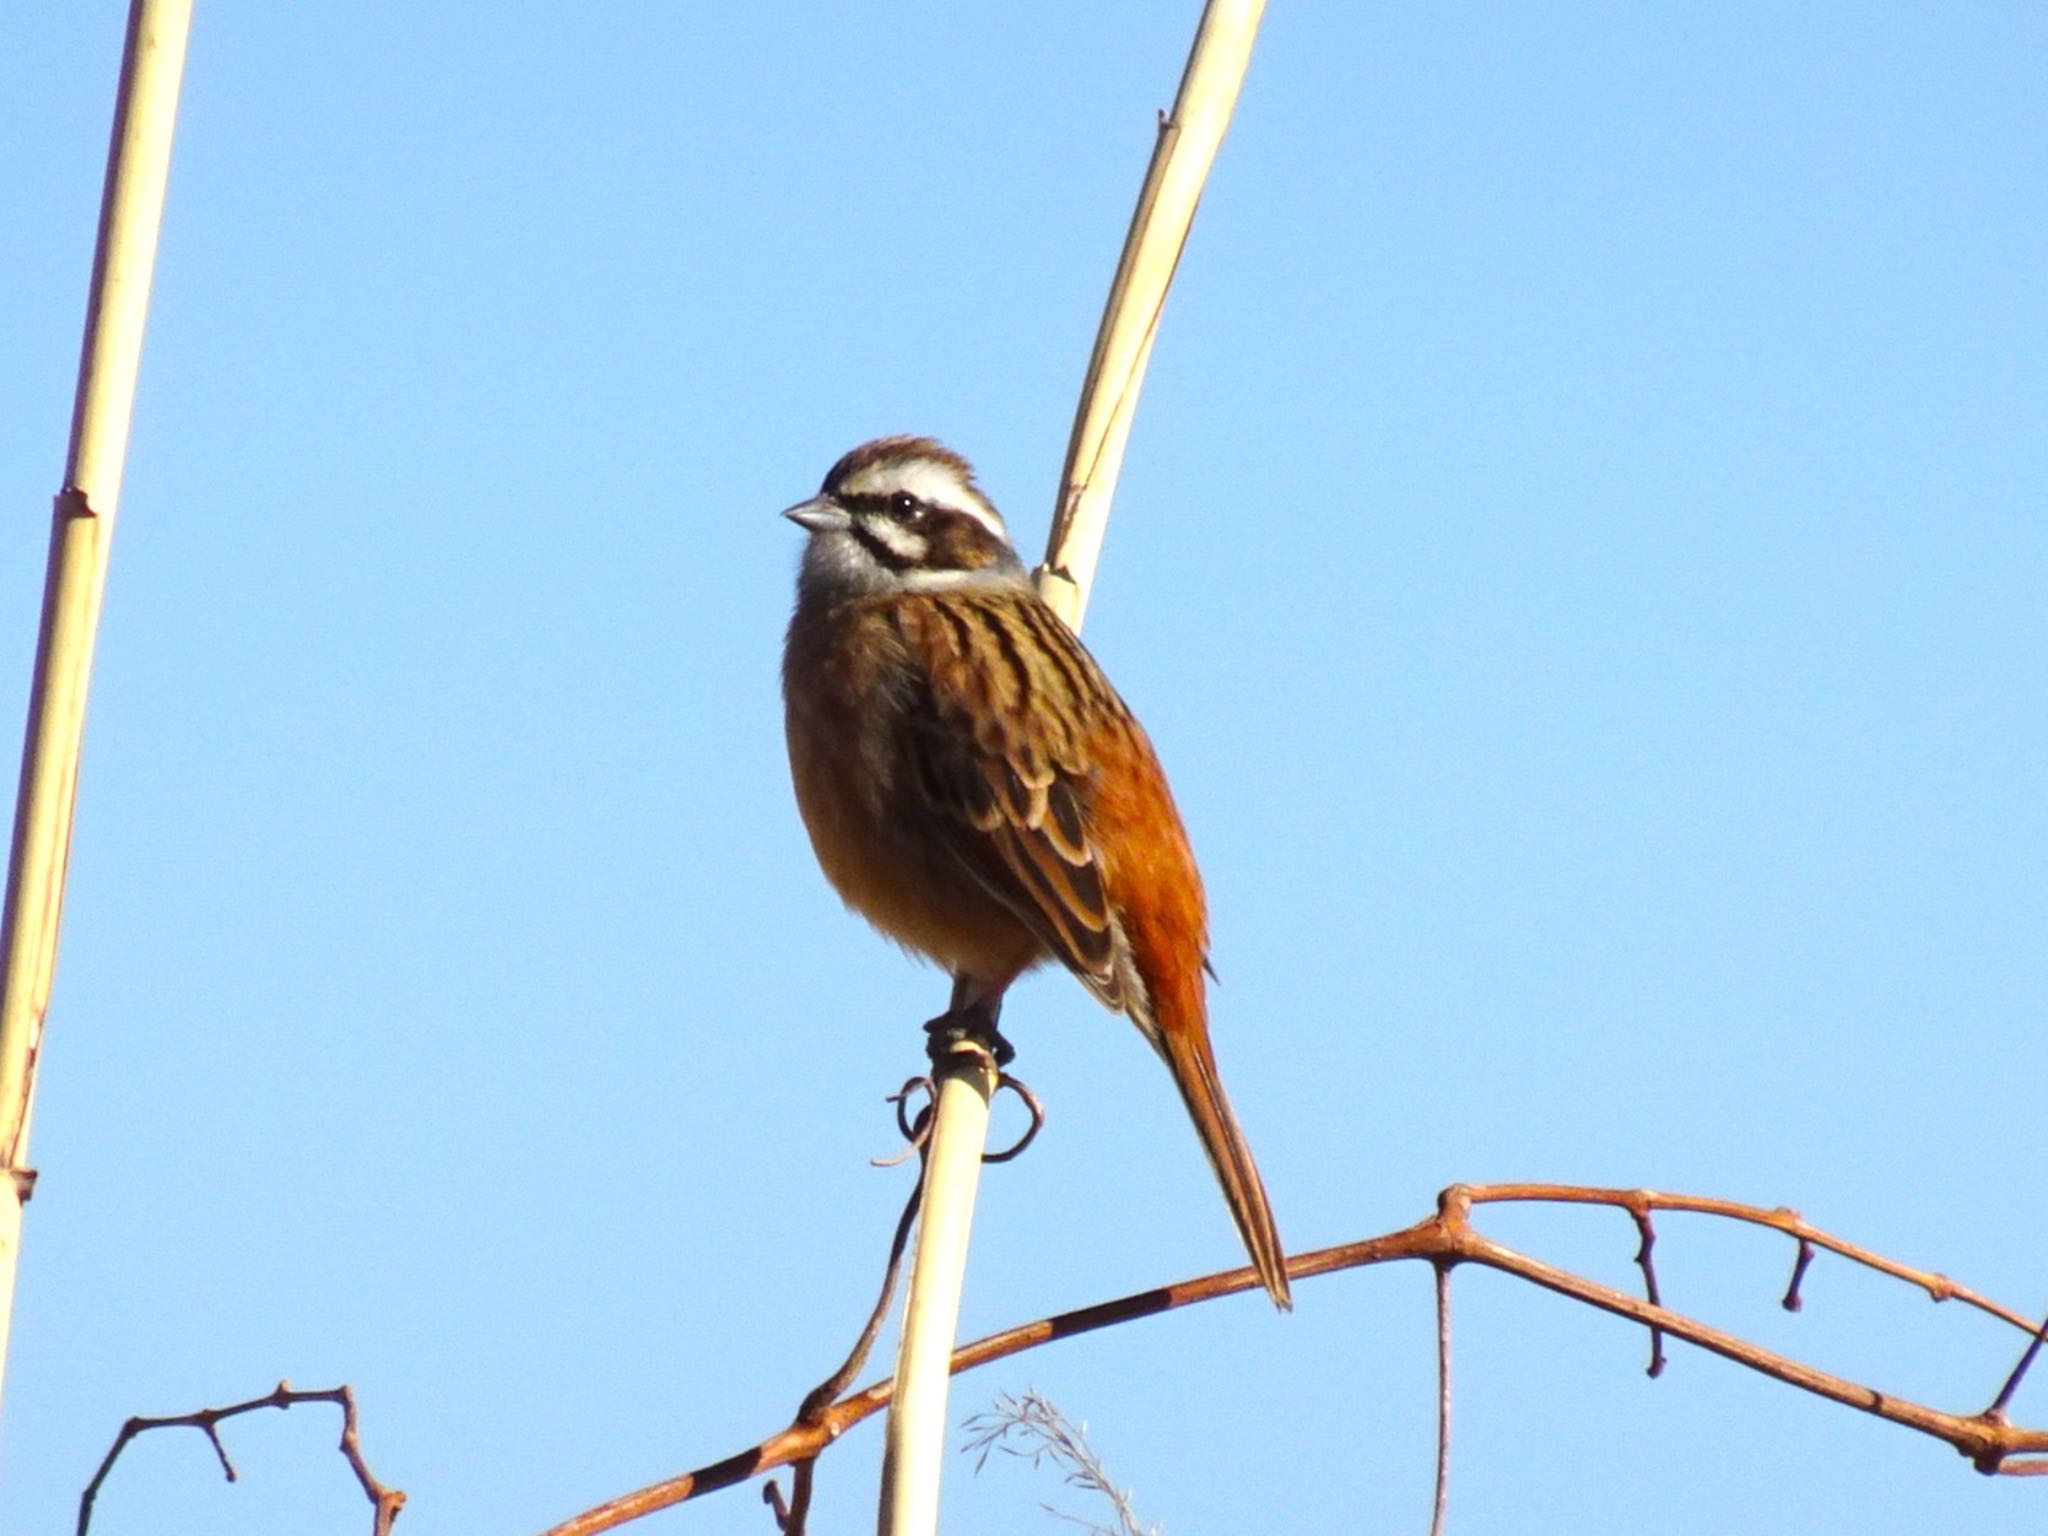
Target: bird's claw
974	1026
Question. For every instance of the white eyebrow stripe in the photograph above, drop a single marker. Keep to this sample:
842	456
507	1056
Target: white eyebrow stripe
932	482
977	507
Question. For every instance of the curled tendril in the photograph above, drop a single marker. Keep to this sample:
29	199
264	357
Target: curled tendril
1031	1104
916	1130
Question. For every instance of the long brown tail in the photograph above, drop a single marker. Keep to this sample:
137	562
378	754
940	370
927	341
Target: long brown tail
1185	1045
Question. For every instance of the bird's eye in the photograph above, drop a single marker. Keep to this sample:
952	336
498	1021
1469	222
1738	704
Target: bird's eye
905	506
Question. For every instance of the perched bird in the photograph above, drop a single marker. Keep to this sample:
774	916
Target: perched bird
974	787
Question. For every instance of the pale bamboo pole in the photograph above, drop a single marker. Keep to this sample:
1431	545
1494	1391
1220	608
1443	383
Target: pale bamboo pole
81	534
914	1449
914	1444
1187	145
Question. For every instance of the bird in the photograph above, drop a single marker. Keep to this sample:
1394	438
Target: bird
977	790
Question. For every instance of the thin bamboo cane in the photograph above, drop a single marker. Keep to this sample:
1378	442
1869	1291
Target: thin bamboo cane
1186	148
81	535
914	1448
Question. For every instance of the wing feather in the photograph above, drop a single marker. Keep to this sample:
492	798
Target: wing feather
1002	764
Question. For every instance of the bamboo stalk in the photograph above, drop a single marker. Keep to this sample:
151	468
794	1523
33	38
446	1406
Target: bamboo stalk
1186	148
81	535
914	1446
914	1449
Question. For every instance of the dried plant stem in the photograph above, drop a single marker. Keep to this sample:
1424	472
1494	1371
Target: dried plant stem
81	534
1188	140
1986	1438
385	1502
1440	1505
1187	145
1640	1202
915	1448
1032	1428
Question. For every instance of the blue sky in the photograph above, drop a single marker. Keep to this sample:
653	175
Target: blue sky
1582	561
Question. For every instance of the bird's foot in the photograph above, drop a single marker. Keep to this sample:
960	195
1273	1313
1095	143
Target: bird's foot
971	1025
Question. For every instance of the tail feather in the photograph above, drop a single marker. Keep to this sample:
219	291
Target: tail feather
1162	942
1193	1064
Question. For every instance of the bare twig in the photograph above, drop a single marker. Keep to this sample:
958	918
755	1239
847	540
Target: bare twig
790	1517
1441	1502
1983	1438
2012	1382
791	1514
1777	1218
385	1503
1446	1239
1646	1261
1801	1262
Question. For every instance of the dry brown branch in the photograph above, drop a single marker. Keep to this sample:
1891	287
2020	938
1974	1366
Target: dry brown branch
1447	1239
791	1514
1640	1202
1442	1499
385	1503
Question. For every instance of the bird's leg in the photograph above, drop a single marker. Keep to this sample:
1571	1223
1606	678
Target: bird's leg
972	1015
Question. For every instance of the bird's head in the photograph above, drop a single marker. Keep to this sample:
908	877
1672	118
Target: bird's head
902	514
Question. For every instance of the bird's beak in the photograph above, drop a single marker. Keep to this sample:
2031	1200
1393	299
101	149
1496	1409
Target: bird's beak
821	514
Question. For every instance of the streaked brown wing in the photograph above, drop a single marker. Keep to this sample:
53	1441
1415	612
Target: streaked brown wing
1001	761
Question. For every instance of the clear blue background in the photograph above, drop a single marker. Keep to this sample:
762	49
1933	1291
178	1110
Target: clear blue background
1582	559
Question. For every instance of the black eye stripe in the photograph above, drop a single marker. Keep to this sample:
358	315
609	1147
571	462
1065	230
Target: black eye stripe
936	538
884	552
899	505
